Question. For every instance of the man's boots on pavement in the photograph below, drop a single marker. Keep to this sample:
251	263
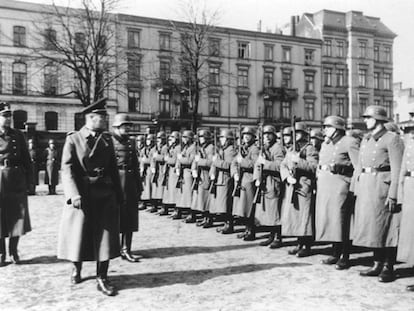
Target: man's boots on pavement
277	242
102	282
126	241
2	253
14	255
191	218
229	226
75	277
177	213
269	240
375	270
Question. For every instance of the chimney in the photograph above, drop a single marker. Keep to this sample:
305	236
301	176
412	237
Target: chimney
259	26
293	26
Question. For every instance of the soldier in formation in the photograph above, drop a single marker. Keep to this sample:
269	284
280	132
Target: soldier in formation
34	167
52	164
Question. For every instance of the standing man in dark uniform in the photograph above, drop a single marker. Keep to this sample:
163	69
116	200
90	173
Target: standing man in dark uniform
34	167
51	156
89	229
128	168
15	174
140	145
377	218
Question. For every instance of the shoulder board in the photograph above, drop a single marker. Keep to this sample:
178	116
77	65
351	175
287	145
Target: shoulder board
70	133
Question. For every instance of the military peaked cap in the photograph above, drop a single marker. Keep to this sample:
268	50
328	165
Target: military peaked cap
121	118
96	107
5	108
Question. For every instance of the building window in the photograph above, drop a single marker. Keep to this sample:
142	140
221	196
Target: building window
134	70
286	79
377	102
340	107
268	78
340	77
387	81
309	109
50	39
376	80
387	54
165	41
286	54
362	105
214	47
165	103
243	50
19	36
309	82
327	48
309	56
51	121
214	75
80	42
388	107
133	39
50	80
79	120
214	105
242	105
268	52
243	77
19	79
327	74
134	101
19	119
286	110
362	49
362	77
341	48
268	109
327	106
376	53
165	70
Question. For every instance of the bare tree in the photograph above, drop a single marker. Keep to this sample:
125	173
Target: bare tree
193	36
84	42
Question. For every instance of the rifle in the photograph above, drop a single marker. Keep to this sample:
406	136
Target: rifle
237	187
179	183
259	190
294	145
197	180
212	188
167	169
155	176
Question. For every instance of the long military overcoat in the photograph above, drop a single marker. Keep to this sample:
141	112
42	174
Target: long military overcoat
267	212
298	201
242	206
145	167
170	190
406	198
51	166
222	201
374	224
14	173
183	165
89	171
128	167
201	197
158	165
334	201
34	167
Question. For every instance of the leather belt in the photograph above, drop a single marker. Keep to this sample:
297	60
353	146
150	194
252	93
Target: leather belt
337	169
246	170
373	170
97	172
271	173
326	167
226	170
409	174
185	166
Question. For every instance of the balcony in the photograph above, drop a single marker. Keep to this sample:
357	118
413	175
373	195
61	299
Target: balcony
279	93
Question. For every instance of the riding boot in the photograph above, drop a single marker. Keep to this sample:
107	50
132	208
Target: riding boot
306	250
343	262
102	282
376	269
387	274
75	277
126	241
2	253
13	242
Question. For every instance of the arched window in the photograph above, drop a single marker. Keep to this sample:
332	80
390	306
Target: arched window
51	121
79	120
19	119
19	78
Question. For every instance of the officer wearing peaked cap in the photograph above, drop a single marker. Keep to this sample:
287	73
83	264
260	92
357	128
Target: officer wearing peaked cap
376	220
334	201
15	174
89	229
128	167
52	164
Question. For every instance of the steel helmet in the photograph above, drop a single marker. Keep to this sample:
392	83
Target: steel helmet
151	137
269	129
301	126
377	112
335	121
249	130
287	131
161	135
175	134
204	133
316	134
188	133
121	118
227	133
140	138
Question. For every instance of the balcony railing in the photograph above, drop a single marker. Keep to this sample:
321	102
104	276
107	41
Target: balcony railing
279	93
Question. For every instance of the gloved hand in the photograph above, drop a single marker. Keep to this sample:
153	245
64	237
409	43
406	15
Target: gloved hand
393	207
77	202
197	158
194	173
236	177
291	180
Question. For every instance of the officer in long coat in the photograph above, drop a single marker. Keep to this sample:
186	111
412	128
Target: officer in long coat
298	171
158	168
51	156
145	171
170	177
204	151
89	229
376	221
334	201
221	199
406	199
128	167
242	172
15	174
183	170
267	175
34	167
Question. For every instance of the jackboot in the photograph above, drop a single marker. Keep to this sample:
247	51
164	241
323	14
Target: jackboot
387	274
177	214
209	222
13	242
229	227
336	253
375	270
126	241
75	277
2	253
163	211
269	240
102	283
277	242
251	235
191	218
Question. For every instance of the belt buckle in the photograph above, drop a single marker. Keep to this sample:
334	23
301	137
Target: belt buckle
99	171
368	170
411	173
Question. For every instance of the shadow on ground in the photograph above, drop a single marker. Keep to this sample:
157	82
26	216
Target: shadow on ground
190	277
41	260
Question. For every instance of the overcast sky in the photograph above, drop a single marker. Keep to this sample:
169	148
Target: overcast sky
398	15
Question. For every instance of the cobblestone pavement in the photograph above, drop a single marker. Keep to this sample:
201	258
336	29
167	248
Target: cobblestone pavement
188	268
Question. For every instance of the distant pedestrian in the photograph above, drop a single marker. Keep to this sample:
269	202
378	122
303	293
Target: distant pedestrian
52	165
34	167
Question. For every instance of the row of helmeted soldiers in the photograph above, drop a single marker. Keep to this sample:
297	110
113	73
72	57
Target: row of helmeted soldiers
333	187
